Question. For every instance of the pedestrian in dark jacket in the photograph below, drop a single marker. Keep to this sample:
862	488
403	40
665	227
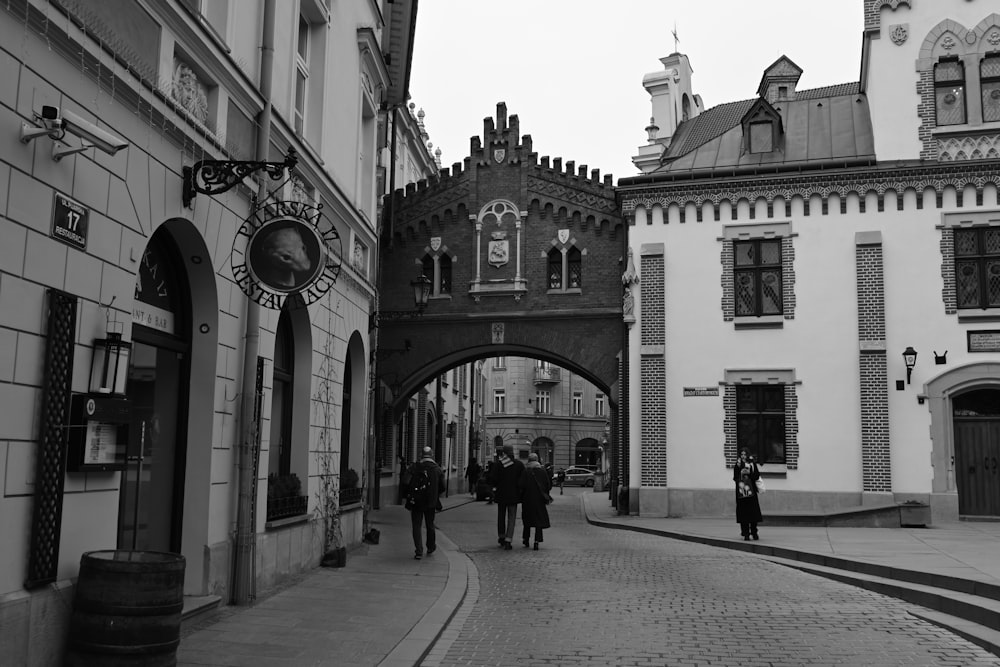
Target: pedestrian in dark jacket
746	474
507	472
472	473
423	506
535	486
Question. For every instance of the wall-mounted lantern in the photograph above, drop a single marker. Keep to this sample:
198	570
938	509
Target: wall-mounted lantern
910	359
109	365
421	291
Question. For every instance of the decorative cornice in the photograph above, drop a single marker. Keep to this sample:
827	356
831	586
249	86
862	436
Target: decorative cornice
860	182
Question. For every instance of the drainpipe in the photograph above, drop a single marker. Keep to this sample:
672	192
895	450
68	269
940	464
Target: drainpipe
244	563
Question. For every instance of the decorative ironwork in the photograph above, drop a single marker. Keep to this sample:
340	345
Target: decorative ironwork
212	177
50	467
282	508
350	496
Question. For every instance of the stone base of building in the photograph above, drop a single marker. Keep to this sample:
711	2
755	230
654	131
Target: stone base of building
36	624
677	503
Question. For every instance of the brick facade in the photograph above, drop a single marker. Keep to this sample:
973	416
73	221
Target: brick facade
873	391
653	369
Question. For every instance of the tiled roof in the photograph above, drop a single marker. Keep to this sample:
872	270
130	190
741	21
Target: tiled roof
828	123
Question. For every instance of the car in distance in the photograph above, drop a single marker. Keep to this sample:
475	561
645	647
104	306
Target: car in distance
576	475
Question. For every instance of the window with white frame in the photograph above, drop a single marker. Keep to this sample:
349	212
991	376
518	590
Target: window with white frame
543	405
577	402
301	75
499	401
599	405
499	362
949	92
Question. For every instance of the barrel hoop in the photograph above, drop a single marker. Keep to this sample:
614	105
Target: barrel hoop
106	609
118	649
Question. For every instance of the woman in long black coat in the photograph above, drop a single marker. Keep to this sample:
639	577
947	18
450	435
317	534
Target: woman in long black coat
746	474
535	486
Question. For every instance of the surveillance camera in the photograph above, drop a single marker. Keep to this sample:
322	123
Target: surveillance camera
92	134
52	126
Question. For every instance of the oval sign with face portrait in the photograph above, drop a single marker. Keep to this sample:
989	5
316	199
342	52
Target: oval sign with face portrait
282	253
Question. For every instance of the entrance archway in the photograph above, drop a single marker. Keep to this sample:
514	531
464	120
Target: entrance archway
976	416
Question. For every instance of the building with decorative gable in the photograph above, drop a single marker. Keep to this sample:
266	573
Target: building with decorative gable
816	277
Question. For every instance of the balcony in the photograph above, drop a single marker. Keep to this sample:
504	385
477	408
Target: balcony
546	375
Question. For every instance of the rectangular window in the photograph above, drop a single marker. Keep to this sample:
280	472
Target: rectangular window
499	401
555	269
761	137
301	74
977	267
599	405
499	362
989	77
949	92
577	402
757	275
760	421
542	404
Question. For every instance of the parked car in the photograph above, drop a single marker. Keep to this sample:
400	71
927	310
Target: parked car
576	475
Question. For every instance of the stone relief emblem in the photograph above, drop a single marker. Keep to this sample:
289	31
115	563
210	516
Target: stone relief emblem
435	243
948	43
189	92
563	236
994	38
499	155
499	249
899	33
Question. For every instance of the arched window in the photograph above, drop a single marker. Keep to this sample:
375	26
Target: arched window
949	92
989	78
444	263
438	271
555	269
281	399
574	268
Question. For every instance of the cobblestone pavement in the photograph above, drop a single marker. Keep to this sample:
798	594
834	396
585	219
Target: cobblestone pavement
595	597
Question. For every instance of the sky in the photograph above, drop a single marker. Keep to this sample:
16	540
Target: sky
572	70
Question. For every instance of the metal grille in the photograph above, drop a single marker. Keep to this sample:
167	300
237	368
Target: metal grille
967	284
50	466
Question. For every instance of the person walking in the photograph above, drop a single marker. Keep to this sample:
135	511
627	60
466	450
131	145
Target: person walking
472	473
535	486
561	477
745	474
507	472
425	483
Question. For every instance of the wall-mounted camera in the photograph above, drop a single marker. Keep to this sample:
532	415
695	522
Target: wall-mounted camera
51	126
55	125
93	135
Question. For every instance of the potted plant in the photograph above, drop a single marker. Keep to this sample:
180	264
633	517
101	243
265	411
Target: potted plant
350	492
284	496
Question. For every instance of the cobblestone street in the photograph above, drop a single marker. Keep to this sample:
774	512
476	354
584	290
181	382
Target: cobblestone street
592	596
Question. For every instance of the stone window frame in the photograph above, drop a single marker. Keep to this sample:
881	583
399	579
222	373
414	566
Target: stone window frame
436	277
781	376
747	232
949	221
976	138
499	401
564	250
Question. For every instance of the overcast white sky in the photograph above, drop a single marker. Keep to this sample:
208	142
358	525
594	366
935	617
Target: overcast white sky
572	69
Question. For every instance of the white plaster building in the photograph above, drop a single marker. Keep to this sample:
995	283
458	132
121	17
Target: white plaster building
788	249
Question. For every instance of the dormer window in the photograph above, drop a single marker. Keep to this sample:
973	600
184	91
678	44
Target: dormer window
761	137
949	92
762	128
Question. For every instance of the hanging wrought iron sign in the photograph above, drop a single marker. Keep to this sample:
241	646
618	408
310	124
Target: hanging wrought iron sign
212	177
286	251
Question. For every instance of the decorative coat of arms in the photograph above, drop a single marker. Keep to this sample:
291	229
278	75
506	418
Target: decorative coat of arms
435	243
499	154
499	249
563	236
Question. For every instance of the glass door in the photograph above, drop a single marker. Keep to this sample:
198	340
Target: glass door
148	511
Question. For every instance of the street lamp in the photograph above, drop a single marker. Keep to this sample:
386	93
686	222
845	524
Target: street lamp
421	291
910	359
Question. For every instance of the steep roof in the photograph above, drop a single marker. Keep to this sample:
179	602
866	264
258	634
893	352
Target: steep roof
832	123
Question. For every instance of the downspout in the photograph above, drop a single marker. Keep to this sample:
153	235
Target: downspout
244	564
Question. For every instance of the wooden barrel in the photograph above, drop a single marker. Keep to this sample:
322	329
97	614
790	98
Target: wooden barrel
127	609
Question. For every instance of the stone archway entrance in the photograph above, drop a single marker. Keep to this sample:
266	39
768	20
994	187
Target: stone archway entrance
976	416
525	258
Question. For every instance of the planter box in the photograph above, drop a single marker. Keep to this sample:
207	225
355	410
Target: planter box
914	515
350	496
282	508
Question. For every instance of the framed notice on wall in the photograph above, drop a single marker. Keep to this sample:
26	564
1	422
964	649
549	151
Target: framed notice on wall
984	341
70	220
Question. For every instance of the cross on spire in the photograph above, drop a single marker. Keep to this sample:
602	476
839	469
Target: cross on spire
676	38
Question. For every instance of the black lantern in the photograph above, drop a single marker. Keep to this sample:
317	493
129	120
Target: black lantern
421	291
109	365
910	359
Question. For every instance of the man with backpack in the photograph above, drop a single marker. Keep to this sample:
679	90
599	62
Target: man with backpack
426	481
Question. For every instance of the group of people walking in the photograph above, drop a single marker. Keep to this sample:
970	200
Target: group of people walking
513	482
528	485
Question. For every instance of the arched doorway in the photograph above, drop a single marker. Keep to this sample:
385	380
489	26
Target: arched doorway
152	485
976	418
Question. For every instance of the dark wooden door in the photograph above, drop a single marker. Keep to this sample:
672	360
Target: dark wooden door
977	453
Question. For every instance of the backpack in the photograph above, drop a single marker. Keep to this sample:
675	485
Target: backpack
419	488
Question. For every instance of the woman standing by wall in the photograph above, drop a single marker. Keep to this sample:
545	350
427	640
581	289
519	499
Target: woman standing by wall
745	474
